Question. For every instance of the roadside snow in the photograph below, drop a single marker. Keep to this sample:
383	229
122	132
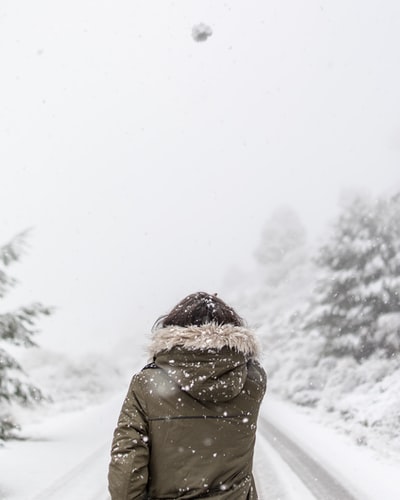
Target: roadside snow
359	399
368	475
59	444
64	448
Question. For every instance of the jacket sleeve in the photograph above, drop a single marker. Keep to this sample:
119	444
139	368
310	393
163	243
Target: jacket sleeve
128	470
258	376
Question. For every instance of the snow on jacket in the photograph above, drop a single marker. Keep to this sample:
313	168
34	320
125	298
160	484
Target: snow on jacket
188	424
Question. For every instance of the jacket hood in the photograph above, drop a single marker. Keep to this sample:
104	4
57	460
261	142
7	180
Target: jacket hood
209	362
208	336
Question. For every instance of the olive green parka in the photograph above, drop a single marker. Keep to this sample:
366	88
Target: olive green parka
188	424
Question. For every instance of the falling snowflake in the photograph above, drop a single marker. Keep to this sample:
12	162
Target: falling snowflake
200	32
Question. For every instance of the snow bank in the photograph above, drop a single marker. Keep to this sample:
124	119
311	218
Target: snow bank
359	399
69	384
367	474
65	441
66	456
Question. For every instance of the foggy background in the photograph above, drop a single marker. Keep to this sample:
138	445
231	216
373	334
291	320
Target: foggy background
146	164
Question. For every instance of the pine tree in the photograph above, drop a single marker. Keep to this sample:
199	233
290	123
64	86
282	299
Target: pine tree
282	246
16	327
283	267
360	278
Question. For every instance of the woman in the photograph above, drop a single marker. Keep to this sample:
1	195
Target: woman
188	424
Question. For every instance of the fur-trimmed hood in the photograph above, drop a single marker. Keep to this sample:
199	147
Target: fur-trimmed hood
209	362
204	337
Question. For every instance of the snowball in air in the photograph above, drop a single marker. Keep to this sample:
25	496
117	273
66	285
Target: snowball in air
200	32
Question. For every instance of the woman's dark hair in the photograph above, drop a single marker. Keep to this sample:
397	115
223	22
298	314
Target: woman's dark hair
198	309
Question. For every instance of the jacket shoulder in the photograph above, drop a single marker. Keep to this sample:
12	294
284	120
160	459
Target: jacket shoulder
150	366
141	379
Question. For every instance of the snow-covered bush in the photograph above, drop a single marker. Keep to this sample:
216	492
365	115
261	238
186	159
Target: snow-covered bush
363	399
387	331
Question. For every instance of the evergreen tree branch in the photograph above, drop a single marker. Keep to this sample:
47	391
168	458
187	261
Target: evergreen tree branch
14	249
18	327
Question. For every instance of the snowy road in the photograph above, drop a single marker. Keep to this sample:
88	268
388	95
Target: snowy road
69	458
276	479
282	469
317	484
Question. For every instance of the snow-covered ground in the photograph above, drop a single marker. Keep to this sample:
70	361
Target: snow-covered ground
59	444
67	454
365	473
66	451
361	400
68	435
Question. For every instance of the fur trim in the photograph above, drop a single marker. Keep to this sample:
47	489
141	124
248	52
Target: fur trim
209	336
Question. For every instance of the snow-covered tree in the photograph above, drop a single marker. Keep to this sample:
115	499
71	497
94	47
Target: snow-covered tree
17	327
284	268
282	245
360	280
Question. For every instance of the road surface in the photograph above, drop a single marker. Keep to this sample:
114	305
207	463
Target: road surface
305	479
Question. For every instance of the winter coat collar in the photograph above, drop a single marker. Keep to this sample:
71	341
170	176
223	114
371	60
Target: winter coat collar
208	336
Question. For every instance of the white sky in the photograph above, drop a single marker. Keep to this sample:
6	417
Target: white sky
148	163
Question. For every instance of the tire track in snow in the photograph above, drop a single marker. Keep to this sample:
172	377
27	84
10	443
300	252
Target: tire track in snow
317	479
275	480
